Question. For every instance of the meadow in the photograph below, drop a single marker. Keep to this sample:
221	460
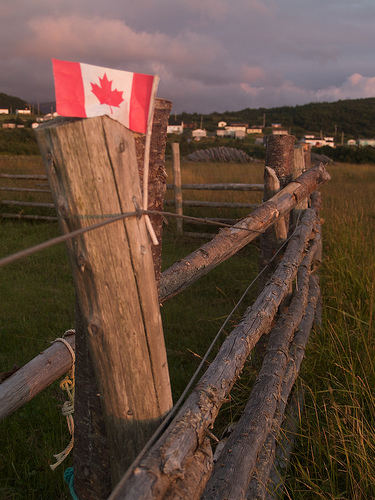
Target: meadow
334	449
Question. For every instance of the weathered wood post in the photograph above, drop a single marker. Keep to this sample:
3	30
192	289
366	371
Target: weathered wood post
93	173
177	183
298	169
277	174
279	158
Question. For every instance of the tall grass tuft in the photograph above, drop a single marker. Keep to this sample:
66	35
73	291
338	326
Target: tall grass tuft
335	452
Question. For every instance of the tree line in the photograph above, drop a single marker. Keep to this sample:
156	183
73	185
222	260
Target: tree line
352	117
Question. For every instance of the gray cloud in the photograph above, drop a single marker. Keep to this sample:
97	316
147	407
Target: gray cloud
210	54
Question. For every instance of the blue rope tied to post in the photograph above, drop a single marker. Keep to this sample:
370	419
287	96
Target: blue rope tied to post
69	479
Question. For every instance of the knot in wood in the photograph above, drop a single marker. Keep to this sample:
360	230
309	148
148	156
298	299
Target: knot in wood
81	262
93	329
122	146
63	209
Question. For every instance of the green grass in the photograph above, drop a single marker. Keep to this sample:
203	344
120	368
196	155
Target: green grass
335	446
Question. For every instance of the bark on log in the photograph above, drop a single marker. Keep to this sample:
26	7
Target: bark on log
35	376
296	354
157	174
281	438
197	473
236	463
229	241
258	483
168	457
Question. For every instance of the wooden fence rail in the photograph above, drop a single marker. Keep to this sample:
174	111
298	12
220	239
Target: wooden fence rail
179	203
180	463
24	191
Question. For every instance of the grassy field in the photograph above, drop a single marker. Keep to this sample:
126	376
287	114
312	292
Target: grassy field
335	445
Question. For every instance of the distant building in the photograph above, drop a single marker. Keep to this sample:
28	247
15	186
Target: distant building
240	134
23	112
318	142
9	125
198	133
175	127
279	131
222	124
254	130
223	132
4	111
351	142
237	126
366	142
275	125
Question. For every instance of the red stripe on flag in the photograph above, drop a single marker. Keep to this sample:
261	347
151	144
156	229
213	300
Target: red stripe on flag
70	96
140	102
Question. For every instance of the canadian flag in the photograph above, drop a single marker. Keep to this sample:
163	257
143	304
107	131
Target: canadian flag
84	91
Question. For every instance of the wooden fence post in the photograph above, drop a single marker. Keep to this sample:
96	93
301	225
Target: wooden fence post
279	158
92	478
92	170
177	183
298	169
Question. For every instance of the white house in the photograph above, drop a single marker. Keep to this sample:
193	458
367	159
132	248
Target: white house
223	132
317	141
198	133
279	131
254	129
23	112
366	142
4	111
175	127
237	126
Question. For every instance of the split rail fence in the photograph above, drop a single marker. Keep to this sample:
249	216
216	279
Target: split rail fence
129	441
24	187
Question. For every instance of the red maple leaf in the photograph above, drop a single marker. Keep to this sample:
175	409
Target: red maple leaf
105	94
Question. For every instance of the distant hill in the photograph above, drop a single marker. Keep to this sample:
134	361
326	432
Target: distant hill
353	117
12	103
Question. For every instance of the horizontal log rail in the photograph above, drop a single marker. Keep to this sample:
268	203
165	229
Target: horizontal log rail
229	240
221	187
211	204
25	190
228	479
35	376
26	204
24	177
28	217
168	288
168	457
265	476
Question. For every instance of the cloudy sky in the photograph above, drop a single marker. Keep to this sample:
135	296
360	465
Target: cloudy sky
211	55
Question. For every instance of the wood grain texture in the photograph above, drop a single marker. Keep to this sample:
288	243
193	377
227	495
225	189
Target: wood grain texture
93	173
229	240
169	456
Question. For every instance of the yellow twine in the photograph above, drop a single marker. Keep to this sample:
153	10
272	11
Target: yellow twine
67	384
